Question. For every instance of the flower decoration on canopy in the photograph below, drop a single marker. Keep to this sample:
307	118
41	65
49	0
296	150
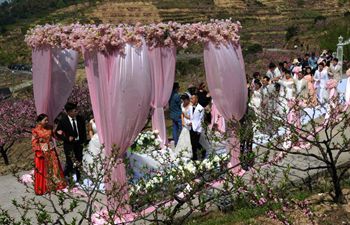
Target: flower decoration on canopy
108	37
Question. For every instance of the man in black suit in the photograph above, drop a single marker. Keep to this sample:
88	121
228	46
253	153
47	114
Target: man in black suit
74	136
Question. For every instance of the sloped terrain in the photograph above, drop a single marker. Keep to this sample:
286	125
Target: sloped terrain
265	21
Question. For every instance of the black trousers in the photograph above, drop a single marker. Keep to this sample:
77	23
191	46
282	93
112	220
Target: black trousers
246	148
74	154
197	148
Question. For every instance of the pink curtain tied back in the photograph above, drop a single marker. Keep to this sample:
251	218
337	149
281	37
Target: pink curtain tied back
53	79
162	65
120	90
217	118
225	73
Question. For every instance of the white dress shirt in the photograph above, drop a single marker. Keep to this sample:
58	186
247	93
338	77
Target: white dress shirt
76	125
197	118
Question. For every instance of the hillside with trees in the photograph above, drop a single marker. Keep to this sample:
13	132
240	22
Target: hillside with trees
267	24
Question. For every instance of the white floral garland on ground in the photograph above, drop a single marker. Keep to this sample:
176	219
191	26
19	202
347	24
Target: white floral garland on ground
190	167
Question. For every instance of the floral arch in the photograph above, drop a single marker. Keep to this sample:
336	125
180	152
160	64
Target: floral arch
131	70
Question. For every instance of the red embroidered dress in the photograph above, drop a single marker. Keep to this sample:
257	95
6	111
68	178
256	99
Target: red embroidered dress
48	174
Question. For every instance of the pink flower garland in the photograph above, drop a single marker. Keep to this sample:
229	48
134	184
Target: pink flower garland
108	37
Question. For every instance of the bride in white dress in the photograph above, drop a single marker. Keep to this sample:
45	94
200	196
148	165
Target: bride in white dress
94	156
287	91
184	146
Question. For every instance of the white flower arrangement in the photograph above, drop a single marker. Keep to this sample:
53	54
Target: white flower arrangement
147	142
178	173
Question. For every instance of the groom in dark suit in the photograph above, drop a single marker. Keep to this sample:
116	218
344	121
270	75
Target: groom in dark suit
74	136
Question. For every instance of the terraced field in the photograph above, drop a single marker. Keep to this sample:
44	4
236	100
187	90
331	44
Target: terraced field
265	21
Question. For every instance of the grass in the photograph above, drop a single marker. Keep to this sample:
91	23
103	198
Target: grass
240	215
243	213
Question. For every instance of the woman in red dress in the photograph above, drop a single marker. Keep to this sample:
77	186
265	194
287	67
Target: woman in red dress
48	174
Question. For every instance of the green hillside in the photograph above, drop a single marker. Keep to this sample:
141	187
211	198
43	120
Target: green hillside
268	23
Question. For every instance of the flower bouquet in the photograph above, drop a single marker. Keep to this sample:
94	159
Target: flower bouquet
146	142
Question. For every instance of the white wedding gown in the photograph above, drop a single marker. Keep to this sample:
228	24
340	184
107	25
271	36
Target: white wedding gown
94	156
184	146
321	78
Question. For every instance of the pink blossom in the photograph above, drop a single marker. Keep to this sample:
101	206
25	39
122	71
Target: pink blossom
331	83
262	201
27	179
107	37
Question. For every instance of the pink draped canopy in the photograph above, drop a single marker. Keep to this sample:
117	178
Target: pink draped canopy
53	79
127	81
162	63
124	85
120	89
224	68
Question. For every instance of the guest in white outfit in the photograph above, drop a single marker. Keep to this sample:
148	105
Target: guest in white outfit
256	98
256	76
267	90
287	91
184	144
273	71
321	78
334	71
196	128
289	85
301	86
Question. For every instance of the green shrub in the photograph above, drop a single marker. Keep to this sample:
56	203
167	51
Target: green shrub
195	61
319	18
292	31
254	48
300	2
330	39
3	29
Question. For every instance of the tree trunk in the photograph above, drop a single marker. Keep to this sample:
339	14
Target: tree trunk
338	193
4	155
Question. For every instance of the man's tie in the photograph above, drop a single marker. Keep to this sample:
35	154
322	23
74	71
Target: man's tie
193	108
75	130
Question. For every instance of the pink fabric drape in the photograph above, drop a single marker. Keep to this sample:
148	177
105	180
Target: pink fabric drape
225	73
331	86
53	79
216	118
120	89
162	65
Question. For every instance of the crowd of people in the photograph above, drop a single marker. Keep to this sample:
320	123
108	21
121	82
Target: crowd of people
305	78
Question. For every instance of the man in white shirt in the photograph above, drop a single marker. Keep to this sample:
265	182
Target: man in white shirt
321	78
301	85
334	71
196	128
273	71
